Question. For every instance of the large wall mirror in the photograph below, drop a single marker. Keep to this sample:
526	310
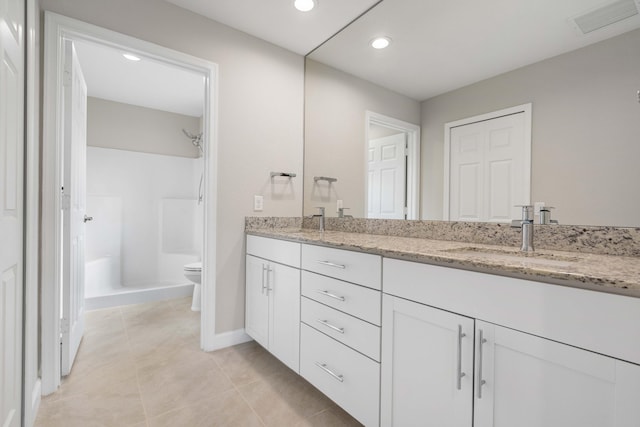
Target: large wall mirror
576	63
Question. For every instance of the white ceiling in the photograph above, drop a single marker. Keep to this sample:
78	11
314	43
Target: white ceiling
146	83
278	22
437	45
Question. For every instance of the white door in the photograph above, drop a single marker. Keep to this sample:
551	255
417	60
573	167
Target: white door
533	382
427	366
257	301
74	207
386	179
12	20
489	169
283	286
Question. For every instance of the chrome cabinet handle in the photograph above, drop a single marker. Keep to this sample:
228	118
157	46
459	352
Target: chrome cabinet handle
264	286
88	218
330	295
269	287
481	382
332	264
323	366
460	374
329	325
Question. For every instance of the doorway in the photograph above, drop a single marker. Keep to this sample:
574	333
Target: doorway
392	156
58	30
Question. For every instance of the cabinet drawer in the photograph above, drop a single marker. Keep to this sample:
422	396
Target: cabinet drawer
280	251
346	376
357	334
356	300
355	267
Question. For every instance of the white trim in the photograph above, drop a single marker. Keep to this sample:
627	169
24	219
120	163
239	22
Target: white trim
57	28
227	339
31	384
413	161
138	296
524	108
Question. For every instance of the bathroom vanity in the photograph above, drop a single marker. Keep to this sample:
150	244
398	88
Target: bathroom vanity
398	331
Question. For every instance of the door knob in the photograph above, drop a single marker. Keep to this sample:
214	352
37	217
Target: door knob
88	218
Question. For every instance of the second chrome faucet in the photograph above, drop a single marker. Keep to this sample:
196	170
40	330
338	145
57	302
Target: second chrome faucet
526	223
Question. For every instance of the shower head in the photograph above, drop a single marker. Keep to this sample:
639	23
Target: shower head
196	140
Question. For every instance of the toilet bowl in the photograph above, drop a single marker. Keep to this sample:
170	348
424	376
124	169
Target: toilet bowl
193	272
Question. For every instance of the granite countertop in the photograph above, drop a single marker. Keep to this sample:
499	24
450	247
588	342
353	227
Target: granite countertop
606	273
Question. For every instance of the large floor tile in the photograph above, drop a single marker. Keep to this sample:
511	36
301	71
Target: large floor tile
284	400
180	383
332	417
103	410
228	409
249	362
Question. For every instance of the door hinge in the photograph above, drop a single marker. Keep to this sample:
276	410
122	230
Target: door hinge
405	210
65	202
64	326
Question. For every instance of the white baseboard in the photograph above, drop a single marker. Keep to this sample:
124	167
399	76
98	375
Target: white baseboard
31	409
227	339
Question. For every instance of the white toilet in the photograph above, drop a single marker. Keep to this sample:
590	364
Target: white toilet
193	272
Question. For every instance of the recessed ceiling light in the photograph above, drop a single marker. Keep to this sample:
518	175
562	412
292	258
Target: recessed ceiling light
380	42
304	5
131	57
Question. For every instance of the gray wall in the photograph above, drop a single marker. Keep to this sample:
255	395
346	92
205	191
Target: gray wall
260	106
335	112
585	131
128	127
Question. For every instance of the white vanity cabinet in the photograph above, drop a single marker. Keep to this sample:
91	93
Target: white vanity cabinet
529	381
272	305
340	331
447	369
427	366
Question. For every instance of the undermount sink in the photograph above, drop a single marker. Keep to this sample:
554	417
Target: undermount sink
524	258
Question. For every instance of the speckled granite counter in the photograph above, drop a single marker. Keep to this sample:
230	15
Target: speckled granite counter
606	273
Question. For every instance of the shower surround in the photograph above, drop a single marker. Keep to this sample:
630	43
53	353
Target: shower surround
147	225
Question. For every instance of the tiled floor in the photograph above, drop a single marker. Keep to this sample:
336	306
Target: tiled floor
141	366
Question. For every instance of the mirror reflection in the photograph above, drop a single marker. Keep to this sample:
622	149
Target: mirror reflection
585	124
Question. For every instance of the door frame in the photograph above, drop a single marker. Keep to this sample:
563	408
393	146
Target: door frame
413	158
57	29
524	108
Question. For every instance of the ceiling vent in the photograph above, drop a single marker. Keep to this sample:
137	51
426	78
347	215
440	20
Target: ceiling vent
605	15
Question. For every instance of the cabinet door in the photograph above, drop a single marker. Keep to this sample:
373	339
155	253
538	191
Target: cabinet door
257	301
284	295
427	363
526	381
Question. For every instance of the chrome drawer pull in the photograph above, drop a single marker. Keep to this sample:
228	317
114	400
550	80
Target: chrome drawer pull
332	264
329	371
329	325
330	295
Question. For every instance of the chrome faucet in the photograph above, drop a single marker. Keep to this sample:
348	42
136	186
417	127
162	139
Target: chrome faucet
526	223
321	216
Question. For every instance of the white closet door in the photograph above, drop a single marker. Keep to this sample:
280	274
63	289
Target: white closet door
12	46
74	207
386	179
489	169
534	382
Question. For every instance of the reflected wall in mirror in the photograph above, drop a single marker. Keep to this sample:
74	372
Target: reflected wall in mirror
336	106
585	131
